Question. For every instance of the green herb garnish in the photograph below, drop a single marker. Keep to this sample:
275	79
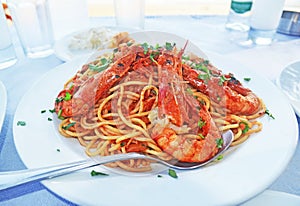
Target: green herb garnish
206	62
49	119
219	142
69	125
145	47
201	136
95	173
247	79
201	123
169	46
58	100
51	110
268	113
244	127
100	68
172	173
184	57
21	123
222	80
43	111
67	96
220	157
204	77
202	67
59	114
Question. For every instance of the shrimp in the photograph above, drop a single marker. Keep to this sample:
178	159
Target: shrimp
199	143
93	88
224	89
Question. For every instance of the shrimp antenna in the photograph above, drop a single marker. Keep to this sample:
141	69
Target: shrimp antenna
183	49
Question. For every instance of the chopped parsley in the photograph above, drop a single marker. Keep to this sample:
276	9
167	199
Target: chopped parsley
43	111
95	173
201	136
67	96
172	173
69	125
51	110
201	123
269	114
247	79
159	175
244	126
21	123
206	62
202	67
145	47
99	68
58	150
222	80
59	114
49	119
204	77
219	142
169	46
220	157
58	100
184	57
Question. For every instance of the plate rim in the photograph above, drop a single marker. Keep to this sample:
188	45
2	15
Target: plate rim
277	81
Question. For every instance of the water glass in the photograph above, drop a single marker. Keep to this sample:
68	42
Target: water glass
33	24
130	13
68	16
238	18
265	20
7	52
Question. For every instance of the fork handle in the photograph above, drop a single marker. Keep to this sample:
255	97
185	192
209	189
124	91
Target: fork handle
14	178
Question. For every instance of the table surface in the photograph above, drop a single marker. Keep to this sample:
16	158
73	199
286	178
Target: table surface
208	32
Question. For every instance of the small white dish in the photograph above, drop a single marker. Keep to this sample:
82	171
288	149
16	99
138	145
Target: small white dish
289	82
274	198
63	50
3	102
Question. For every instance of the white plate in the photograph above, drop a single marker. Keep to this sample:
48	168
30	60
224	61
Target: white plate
242	174
3	102
289	83
61	46
274	198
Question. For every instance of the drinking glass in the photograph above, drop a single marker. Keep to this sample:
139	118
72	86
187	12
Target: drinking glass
265	20
130	13
238	18
33	24
7	52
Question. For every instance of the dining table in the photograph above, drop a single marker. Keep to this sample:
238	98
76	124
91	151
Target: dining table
208	32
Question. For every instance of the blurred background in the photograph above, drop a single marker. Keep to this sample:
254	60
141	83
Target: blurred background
170	7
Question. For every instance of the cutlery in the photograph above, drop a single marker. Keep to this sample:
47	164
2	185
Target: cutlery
13	178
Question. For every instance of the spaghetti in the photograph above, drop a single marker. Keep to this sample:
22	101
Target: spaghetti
133	115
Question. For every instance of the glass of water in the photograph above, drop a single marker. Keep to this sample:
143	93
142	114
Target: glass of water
238	18
265	20
33	24
130	13
7	52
